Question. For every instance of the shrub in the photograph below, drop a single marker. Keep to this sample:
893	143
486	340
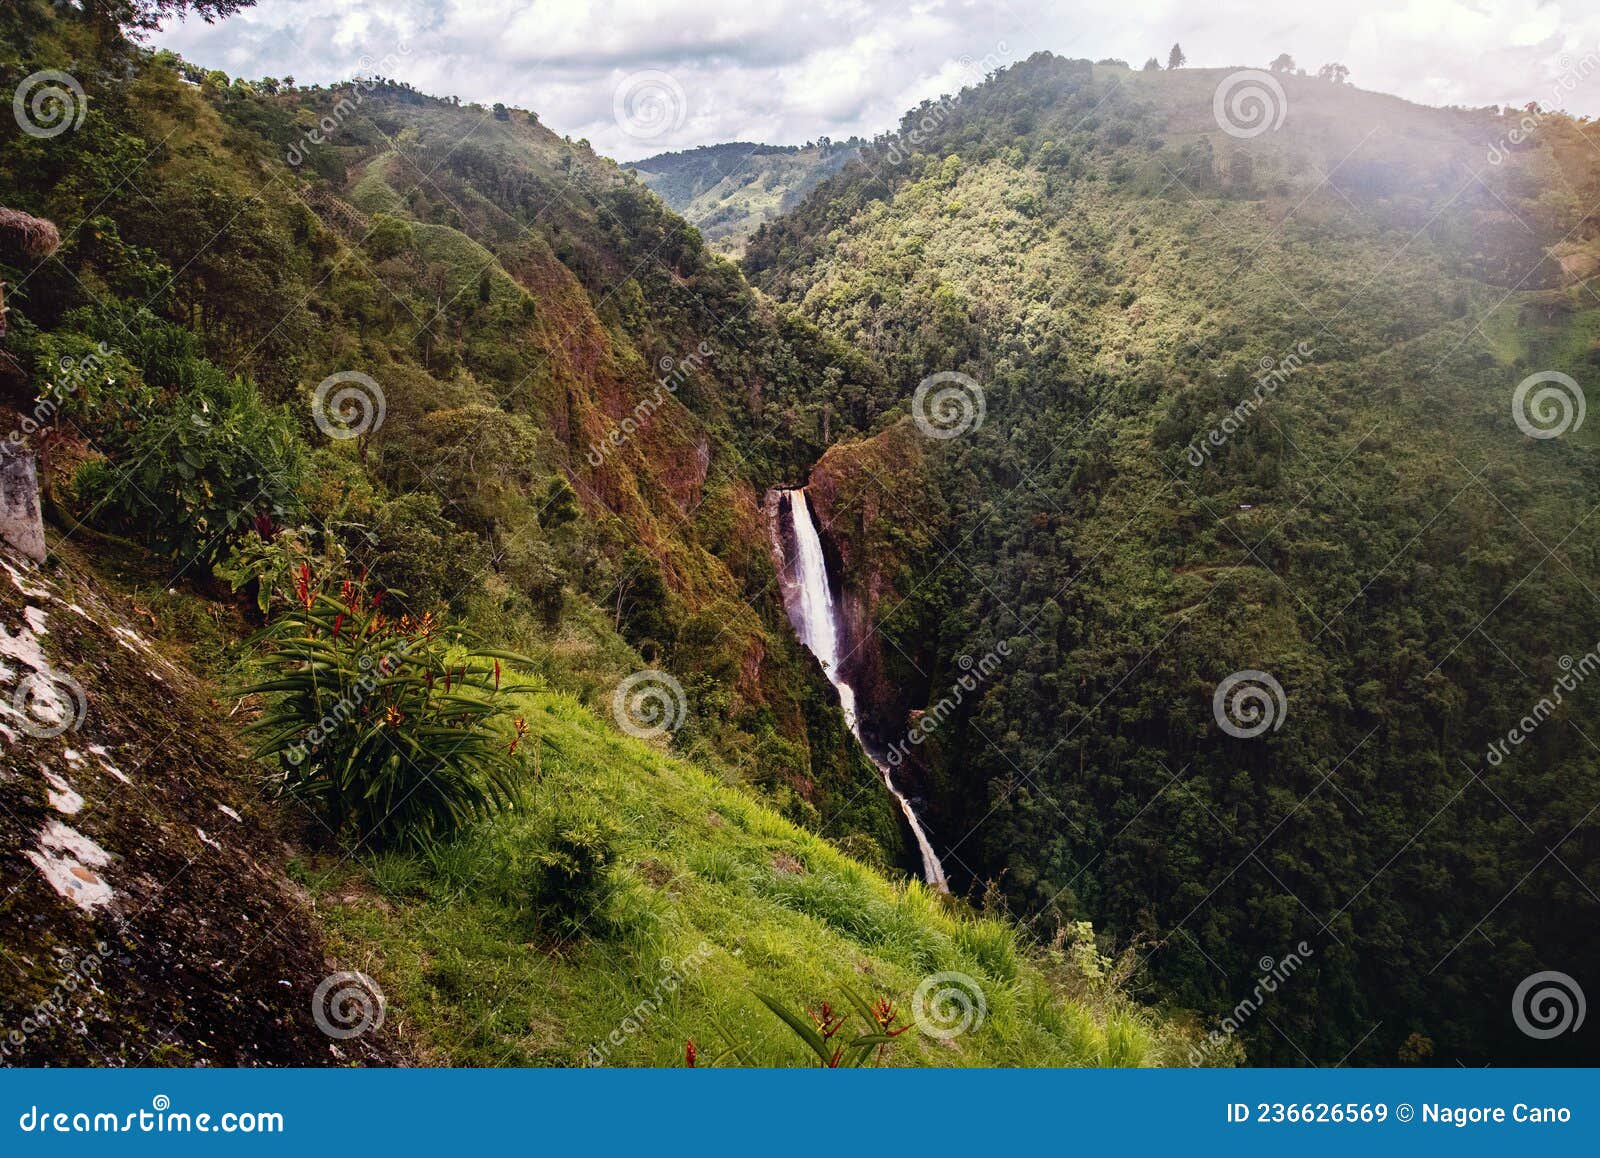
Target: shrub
572	867
194	453
393	728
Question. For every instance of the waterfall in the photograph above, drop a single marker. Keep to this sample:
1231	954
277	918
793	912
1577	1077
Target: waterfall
817	624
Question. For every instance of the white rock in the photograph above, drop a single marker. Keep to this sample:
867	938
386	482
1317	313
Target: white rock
67	859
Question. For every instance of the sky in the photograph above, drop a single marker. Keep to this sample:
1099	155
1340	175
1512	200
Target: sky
638	77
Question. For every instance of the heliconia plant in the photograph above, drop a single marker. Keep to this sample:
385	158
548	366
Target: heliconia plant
389	727
819	1028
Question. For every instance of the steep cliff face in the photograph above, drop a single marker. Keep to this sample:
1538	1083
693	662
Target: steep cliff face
147	918
878	513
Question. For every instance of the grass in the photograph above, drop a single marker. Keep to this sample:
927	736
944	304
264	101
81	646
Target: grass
706	897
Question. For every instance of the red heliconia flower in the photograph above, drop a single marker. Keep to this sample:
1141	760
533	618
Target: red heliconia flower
302	586
496	675
827	1023
883	1013
521	726
689	1054
338	622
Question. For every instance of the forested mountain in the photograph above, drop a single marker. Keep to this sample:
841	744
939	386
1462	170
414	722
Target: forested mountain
430	449
1239	406
727	191
1207	480
515	299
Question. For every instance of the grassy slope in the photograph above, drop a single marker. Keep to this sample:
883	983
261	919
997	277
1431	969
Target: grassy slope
474	980
593	289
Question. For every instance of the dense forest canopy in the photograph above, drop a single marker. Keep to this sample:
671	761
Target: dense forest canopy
1247	406
1210	500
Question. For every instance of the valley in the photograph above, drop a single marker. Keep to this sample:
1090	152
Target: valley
1009	585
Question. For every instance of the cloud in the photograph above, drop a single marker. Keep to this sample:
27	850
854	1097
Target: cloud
785	71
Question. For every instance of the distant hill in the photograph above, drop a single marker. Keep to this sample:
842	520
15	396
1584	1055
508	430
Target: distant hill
729	190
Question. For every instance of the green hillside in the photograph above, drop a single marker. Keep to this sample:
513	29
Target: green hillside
1247	406
727	191
415	435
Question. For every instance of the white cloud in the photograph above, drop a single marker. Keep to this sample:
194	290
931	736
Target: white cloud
785	71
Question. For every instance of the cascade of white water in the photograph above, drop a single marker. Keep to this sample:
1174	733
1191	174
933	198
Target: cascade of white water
818	628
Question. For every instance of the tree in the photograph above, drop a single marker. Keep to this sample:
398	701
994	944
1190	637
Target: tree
1175	58
1152	65
1283	63
139	16
501	113
1333	72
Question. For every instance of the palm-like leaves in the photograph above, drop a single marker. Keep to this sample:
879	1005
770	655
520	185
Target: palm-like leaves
386	727
818	1030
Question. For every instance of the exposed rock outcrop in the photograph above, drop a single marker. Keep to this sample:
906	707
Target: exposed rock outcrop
144	918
